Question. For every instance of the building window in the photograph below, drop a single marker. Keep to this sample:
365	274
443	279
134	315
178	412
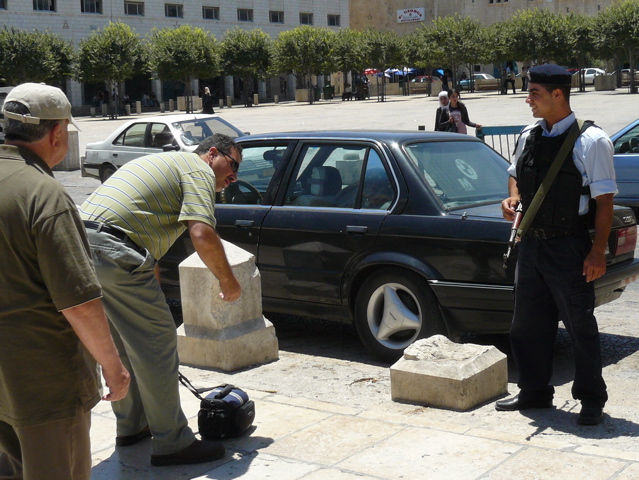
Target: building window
91	6
244	14
211	13
44	5
173	11
333	20
306	18
3	5
276	17
134	8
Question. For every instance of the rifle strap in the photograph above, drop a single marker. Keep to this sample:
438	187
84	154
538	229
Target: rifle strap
576	129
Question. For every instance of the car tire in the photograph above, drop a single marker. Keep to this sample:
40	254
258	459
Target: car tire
105	172
395	307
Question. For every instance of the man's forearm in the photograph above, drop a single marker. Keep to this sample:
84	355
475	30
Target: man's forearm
603	222
209	247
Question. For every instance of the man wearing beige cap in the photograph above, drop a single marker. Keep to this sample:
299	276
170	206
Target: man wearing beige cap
52	323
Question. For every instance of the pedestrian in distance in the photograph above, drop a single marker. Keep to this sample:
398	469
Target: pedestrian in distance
509	78
456	116
207	102
524	79
442	110
557	260
52	322
132	220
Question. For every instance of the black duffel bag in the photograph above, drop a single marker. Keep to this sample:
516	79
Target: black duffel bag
226	412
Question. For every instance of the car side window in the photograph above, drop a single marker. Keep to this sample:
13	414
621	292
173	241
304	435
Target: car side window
331	176
628	143
132	136
258	167
161	135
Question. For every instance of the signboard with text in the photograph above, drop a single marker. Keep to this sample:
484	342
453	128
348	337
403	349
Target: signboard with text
409	15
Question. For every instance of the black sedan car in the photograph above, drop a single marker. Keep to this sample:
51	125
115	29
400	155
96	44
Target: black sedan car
398	232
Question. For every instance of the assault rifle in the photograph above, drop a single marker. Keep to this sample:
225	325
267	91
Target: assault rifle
513	233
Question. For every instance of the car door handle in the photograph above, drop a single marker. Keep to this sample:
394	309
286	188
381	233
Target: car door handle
359	229
115	154
244	223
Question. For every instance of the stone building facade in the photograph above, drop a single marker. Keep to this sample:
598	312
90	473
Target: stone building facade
75	20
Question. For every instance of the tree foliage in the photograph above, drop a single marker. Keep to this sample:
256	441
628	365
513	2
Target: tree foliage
304	51
183	53
33	56
350	51
111	55
385	50
618	27
538	35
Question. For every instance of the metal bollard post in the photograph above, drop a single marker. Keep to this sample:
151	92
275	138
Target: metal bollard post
162	109
127	109
138	107
229	102
221	103
171	106
256	100
276	98
92	112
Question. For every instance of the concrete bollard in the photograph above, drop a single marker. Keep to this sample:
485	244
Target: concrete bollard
256	100
92	112
229	102
104	109
171	106
162	109
218	334
221	103
440	373
276	98
138	107
127	109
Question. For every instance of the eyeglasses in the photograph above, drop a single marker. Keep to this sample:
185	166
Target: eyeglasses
235	165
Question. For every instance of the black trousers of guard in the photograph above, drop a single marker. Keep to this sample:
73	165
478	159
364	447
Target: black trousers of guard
550	286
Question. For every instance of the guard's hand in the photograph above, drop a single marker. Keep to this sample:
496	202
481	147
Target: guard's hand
508	207
117	380
594	265
231	290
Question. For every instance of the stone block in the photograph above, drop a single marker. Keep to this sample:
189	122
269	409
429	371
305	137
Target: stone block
440	373
218	334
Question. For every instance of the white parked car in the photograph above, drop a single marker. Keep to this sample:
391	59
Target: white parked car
181	132
590	74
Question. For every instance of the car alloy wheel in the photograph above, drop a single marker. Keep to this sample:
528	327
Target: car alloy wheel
394	308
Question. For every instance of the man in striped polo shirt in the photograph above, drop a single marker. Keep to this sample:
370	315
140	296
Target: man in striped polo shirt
132	220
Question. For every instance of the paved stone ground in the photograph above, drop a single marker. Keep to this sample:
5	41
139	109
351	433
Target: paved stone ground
324	409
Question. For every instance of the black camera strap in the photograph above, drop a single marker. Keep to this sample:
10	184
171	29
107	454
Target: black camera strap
226	389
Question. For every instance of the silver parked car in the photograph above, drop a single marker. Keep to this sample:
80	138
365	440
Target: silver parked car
182	132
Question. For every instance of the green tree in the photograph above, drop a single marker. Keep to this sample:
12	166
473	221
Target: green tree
420	50
618	28
538	35
350	51
304	51
384	51
33	56
582	43
246	54
460	41
498	47
110	55
183	54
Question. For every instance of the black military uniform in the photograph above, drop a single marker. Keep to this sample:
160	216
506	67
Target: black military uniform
549	280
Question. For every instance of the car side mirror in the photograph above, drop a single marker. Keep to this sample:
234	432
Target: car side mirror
170	147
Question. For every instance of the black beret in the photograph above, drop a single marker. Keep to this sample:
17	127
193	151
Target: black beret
550	74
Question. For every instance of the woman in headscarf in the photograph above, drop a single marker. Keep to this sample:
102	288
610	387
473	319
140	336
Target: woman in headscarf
441	116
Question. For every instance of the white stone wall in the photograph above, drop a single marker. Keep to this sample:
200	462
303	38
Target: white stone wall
72	25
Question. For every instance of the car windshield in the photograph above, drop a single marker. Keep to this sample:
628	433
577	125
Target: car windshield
461	174
194	131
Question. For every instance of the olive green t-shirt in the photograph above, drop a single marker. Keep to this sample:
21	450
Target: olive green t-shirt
153	197
45	267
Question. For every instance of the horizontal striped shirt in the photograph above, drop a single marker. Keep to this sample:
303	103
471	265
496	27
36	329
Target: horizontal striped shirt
152	197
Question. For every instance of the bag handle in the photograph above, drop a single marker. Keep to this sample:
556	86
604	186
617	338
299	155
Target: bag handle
226	389
576	129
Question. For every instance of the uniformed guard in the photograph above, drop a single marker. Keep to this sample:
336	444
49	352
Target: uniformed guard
557	260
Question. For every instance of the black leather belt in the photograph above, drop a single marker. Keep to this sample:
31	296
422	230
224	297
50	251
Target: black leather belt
103	227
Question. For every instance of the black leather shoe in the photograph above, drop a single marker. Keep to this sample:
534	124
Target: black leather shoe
515	403
200	451
590	415
128	440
